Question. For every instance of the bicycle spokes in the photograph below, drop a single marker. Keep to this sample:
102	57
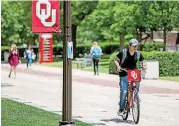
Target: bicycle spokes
135	106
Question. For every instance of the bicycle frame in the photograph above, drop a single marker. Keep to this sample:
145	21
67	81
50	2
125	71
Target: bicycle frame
131	88
132	98
134	77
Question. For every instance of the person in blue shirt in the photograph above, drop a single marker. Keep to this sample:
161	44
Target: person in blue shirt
96	53
28	55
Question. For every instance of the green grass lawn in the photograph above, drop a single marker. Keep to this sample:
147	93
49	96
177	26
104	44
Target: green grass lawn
103	65
18	114
176	78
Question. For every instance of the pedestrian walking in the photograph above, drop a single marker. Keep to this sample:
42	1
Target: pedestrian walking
13	59
96	53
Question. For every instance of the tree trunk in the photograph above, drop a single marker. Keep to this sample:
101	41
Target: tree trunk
140	36
165	37
152	35
177	40
137	34
74	29
121	41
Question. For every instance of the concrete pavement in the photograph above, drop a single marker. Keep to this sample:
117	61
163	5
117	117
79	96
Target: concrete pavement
95	98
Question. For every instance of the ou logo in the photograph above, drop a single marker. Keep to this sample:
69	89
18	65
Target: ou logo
134	74
43	16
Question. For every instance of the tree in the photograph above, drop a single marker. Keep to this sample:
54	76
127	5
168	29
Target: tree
167	15
97	25
16	20
124	20
80	10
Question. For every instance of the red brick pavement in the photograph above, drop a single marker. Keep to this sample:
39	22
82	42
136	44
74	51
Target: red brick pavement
143	89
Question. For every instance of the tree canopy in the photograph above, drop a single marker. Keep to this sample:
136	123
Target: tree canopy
95	20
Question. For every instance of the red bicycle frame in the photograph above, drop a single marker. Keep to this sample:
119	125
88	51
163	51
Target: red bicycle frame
134	76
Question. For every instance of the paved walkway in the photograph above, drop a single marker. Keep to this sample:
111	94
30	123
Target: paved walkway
95	98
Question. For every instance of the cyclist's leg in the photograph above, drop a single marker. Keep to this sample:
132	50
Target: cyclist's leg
123	91
137	86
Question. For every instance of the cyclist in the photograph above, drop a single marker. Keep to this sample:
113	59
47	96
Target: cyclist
127	58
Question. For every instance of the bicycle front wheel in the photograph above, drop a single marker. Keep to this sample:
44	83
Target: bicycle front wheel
125	114
135	106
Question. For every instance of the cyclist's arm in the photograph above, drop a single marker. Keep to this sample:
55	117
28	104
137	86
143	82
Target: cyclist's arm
142	62
117	59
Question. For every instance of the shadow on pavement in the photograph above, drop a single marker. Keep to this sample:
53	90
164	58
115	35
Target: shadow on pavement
6	85
117	120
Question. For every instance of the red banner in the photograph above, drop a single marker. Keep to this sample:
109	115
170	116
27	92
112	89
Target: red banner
45	16
46	47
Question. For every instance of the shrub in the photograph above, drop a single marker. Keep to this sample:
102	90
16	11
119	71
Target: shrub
106	56
151	46
168	62
112	66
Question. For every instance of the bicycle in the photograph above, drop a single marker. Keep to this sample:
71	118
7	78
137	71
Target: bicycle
132	98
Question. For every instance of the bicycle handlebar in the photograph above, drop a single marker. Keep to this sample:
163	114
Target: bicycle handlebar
126	69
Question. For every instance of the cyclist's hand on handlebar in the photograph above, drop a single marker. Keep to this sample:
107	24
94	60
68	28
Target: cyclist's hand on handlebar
118	69
144	69
143	66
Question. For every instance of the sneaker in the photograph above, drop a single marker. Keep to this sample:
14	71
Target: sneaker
120	112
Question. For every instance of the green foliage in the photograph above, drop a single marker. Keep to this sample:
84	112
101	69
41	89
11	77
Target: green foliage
168	62
107	48
112	66
95	20
126	17
4	48
16	22
166	13
175	78
106	57
82	9
151	46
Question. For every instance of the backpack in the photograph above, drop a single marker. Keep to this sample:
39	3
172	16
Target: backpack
124	55
96	52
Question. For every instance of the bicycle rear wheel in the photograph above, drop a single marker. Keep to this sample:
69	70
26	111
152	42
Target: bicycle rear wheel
135	106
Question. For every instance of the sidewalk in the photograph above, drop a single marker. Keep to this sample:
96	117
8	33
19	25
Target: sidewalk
95	98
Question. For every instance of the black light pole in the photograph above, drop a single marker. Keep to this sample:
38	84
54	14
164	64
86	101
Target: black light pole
67	69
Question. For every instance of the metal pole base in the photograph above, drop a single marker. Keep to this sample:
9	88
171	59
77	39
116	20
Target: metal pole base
66	123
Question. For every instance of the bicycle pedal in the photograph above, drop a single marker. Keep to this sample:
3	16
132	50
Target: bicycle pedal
119	114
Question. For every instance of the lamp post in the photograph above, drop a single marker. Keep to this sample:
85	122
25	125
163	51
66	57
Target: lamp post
67	69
